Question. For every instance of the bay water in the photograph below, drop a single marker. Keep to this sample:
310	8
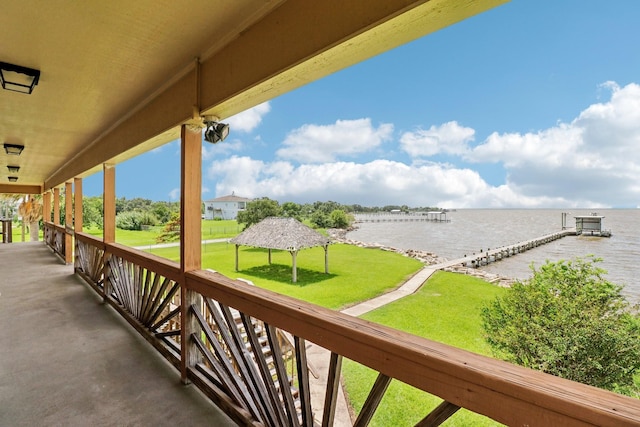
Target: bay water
472	230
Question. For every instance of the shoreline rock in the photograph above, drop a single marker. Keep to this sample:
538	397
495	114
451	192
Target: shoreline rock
428	258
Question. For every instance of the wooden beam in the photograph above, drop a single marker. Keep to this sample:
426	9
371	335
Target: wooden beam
20	189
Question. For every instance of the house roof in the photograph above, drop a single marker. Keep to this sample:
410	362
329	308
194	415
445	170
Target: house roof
229	198
280	233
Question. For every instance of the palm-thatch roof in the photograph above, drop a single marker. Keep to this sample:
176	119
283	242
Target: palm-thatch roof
287	234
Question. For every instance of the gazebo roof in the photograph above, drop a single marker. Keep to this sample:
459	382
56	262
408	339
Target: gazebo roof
280	233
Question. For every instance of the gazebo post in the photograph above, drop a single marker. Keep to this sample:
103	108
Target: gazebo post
295	267
269	256
326	259
237	246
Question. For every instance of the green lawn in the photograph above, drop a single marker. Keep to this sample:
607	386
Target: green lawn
445	309
210	230
355	274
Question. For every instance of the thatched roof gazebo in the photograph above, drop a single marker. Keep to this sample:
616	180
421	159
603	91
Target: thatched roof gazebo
286	234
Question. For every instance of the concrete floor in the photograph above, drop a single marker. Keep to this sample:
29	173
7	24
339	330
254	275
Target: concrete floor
68	360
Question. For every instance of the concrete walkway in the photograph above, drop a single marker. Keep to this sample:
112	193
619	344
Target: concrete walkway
409	287
66	359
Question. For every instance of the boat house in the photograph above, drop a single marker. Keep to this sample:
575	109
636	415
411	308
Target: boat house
591	225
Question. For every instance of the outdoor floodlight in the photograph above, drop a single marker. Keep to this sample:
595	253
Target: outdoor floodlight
215	132
13	149
17	78
13	178
13	169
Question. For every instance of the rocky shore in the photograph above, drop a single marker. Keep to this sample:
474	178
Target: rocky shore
427	258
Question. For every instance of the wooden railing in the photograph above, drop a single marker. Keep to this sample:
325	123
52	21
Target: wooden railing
54	236
224	360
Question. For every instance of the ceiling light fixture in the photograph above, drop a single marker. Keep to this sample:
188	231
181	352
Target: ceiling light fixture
13	178
13	149
215	131
13	169
17	78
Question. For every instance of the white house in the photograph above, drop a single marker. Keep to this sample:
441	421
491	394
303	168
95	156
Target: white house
225	207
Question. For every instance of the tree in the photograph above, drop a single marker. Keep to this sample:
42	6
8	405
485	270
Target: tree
257	210
567	320
320	219
339	219
292	210
171	230
30	210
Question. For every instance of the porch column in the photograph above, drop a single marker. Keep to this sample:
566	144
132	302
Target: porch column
77	203
46	206
68	219
56	206
77	217
109	203
190	241
108	220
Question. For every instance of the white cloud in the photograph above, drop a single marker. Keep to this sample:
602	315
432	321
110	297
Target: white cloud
326	143
592	160
379	182
249	119
174	194
448	138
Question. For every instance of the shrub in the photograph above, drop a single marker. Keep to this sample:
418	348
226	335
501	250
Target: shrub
567	320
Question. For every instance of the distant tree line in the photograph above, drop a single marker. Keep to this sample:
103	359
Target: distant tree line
137	213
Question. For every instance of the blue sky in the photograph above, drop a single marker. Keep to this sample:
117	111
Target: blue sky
532	104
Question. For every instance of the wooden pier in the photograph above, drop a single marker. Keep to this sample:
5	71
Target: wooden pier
432	216
487	256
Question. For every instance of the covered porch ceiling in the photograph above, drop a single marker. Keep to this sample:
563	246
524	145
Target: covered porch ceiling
118	78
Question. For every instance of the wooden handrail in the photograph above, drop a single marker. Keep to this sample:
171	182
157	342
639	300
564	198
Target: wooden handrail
90	239
505	392
162	266
502	391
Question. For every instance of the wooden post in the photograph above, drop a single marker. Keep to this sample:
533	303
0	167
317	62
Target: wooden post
77	214
190	241
56	206
237	263
77	217
68	219
46	206
326	259
295	267
108	220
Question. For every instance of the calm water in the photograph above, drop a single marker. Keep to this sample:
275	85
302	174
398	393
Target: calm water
473	229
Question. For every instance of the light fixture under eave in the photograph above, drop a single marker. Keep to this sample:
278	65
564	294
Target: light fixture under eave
215	132
13	178
17	78
13	169
13	149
